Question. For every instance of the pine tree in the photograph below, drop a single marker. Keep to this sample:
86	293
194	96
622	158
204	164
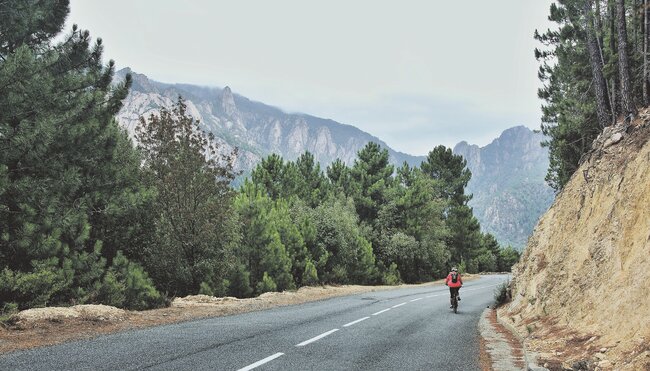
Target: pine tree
627	100
65	166
451	175
372	175
603	109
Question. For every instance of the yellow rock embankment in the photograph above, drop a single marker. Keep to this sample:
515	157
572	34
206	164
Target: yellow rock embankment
582	289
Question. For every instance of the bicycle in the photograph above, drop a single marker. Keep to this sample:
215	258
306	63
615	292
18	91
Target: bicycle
454	303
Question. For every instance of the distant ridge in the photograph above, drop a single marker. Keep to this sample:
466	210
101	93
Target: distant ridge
510	193
507	175
255	128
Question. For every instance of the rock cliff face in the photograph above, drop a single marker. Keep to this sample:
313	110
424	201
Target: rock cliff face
508	185
582	289
255	128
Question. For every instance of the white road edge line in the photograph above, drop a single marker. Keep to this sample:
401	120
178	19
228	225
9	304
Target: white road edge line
261	362
398	305
317	338
355	322
381	311
416	299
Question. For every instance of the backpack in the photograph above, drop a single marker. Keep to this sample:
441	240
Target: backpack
454	277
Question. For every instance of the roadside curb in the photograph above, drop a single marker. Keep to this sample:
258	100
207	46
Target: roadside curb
529	358
502	353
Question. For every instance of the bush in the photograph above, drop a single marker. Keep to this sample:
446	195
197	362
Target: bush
503	293
205	289
240	282
127	285
266	284
392	276
7	311
310	277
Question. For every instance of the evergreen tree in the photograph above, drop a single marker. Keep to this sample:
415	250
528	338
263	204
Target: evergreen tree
451	172
413	228
451	176
313	184
66	168
372	174
268	176
582	61
262	250
196	226
350	257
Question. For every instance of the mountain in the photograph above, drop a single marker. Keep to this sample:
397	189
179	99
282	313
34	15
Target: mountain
507	175
581	291
255	128
508	184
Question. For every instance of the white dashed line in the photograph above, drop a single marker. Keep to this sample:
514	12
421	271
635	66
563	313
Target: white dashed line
381	311
416	299
261	362
355	322
398	305
317	338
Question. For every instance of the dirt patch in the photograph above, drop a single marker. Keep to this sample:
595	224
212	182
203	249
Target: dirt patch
49	326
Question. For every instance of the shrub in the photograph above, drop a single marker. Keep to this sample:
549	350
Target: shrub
503	293
310	277
205	289
127	285
266	284
392	276
240	282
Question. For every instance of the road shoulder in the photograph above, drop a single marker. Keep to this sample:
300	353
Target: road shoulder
500	349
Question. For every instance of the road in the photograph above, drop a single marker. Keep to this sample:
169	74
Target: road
408	328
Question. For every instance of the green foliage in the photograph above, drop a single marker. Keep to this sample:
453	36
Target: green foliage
196	225
276	263
86	218
350	258
507	258
391	276
27	24
310	276
127	285
266	284
205	289
240	282
69	175
503	293
569	111
451	172
371	175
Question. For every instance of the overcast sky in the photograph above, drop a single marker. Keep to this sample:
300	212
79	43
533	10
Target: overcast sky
413	73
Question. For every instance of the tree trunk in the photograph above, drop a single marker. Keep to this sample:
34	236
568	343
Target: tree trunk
614	102
623	61
603	109
645	53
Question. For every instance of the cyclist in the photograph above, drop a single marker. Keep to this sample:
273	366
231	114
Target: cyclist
454	281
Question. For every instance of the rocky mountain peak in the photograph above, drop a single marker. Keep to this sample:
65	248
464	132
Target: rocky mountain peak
508	183
228	101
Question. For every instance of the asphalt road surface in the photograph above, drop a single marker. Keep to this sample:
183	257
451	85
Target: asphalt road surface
405	329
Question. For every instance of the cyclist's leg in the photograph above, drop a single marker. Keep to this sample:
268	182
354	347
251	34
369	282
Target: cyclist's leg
451	297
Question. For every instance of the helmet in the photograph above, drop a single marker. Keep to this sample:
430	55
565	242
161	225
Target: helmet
454	269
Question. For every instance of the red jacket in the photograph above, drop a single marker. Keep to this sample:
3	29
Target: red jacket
459	281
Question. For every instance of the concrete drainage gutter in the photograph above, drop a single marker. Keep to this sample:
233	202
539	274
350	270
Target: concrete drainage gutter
504	346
